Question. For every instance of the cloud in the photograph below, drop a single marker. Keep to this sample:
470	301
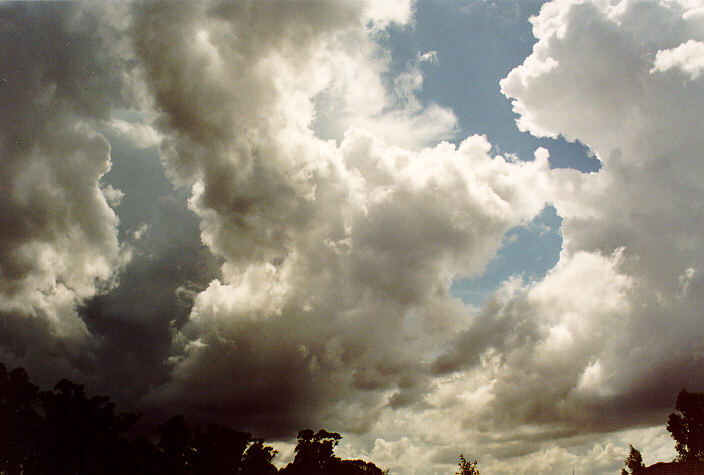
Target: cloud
402	119
334	219
58	241
606	339
545	376
687	57
385	12
132	325
141	135
338	257
537	345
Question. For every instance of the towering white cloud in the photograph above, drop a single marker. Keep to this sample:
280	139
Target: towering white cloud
337	257
614	330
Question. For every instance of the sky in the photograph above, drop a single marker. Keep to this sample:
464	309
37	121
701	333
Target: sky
435	227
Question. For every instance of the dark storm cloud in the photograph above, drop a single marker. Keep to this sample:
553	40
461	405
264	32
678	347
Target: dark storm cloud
59	236
67	67
133	324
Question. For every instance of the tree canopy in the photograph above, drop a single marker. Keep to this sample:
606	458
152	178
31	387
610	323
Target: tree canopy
467	467
315	456
687	426
633	462
65	431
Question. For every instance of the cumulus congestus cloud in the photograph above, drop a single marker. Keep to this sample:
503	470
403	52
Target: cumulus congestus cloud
337	256
641	119
615	328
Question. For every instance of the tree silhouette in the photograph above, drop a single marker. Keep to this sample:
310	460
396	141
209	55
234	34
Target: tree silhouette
257	459
357	467
219	450
315	456
466	467
64	432
687	426
634	461
314	452
79	434
176	445
19	421
141	457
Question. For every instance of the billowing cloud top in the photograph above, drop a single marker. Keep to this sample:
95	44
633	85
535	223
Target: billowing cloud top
335	219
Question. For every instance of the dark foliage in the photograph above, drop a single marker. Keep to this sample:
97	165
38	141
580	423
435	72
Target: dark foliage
633	462
687	426
315	456
66	432
257	459
19	421
79	434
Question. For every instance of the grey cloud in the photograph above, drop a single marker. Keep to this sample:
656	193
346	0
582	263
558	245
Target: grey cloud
337	258
133	324
606	339
319	291
203	63
500	325
68	309
59	235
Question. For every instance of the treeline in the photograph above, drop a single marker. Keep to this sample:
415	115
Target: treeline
64	431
